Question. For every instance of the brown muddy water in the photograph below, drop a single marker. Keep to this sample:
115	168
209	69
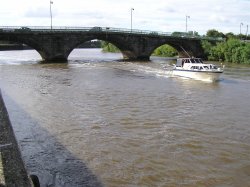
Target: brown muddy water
100	121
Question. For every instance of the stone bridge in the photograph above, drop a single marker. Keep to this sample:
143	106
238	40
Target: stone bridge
56	44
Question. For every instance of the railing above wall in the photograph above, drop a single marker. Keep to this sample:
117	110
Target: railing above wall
103	30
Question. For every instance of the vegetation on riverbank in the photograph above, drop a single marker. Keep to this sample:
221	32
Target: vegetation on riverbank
165	51
233	50
108	47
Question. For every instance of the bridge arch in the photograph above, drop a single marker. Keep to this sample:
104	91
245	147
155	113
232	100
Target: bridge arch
28	43
81	42
187	49
125	48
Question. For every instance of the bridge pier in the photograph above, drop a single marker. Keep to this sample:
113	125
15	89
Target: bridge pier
130	55
57	58
55	48
143	58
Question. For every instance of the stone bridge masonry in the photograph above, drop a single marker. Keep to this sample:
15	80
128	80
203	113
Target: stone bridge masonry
57	44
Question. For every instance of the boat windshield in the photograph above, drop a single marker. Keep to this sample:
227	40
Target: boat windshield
192	61
195	60
213	66
199	60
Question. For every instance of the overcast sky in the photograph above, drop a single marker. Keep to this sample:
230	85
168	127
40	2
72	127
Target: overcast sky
158	15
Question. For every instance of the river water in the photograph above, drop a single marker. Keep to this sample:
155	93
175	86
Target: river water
101	121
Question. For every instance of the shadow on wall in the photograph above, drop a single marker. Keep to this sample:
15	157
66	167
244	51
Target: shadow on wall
46	157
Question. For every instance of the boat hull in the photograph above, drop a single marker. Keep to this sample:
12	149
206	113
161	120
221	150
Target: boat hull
209	76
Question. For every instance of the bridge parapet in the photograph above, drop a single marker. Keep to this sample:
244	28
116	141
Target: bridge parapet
65	29
56	44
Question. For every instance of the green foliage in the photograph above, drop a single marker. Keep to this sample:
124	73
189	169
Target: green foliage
195	33
246	54
108	47
206	45
215	33
233	50
165	51
230	35
217	52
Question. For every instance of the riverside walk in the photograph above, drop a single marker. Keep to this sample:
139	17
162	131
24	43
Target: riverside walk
12	169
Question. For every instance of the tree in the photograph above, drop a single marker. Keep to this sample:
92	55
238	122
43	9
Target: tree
246	54
230	35
230	49
217	52
206	45
233	50
215	33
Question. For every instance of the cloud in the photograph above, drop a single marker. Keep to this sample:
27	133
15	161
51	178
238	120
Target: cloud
37	12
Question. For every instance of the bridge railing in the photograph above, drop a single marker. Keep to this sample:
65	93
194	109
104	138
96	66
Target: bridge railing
100	30
84	29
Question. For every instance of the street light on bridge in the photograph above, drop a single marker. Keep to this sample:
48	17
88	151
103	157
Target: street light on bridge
241	24
50	3
131	14
246	32
186	22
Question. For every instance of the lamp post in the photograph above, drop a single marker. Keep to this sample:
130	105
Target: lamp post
246	32
186	22
50	3
241	24
131	21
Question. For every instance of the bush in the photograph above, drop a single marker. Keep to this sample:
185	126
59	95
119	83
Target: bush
165	51
233	50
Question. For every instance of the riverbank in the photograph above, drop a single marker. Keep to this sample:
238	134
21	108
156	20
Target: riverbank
12	169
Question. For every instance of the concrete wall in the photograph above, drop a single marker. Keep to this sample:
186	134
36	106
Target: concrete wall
12	169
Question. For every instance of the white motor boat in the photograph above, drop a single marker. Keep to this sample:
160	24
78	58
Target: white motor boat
194	68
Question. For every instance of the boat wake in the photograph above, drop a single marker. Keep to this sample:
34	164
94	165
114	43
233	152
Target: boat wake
153	71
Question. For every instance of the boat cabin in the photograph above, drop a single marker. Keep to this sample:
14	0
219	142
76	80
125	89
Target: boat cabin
181	61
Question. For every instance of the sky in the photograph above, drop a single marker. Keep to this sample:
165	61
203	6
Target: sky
154	15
